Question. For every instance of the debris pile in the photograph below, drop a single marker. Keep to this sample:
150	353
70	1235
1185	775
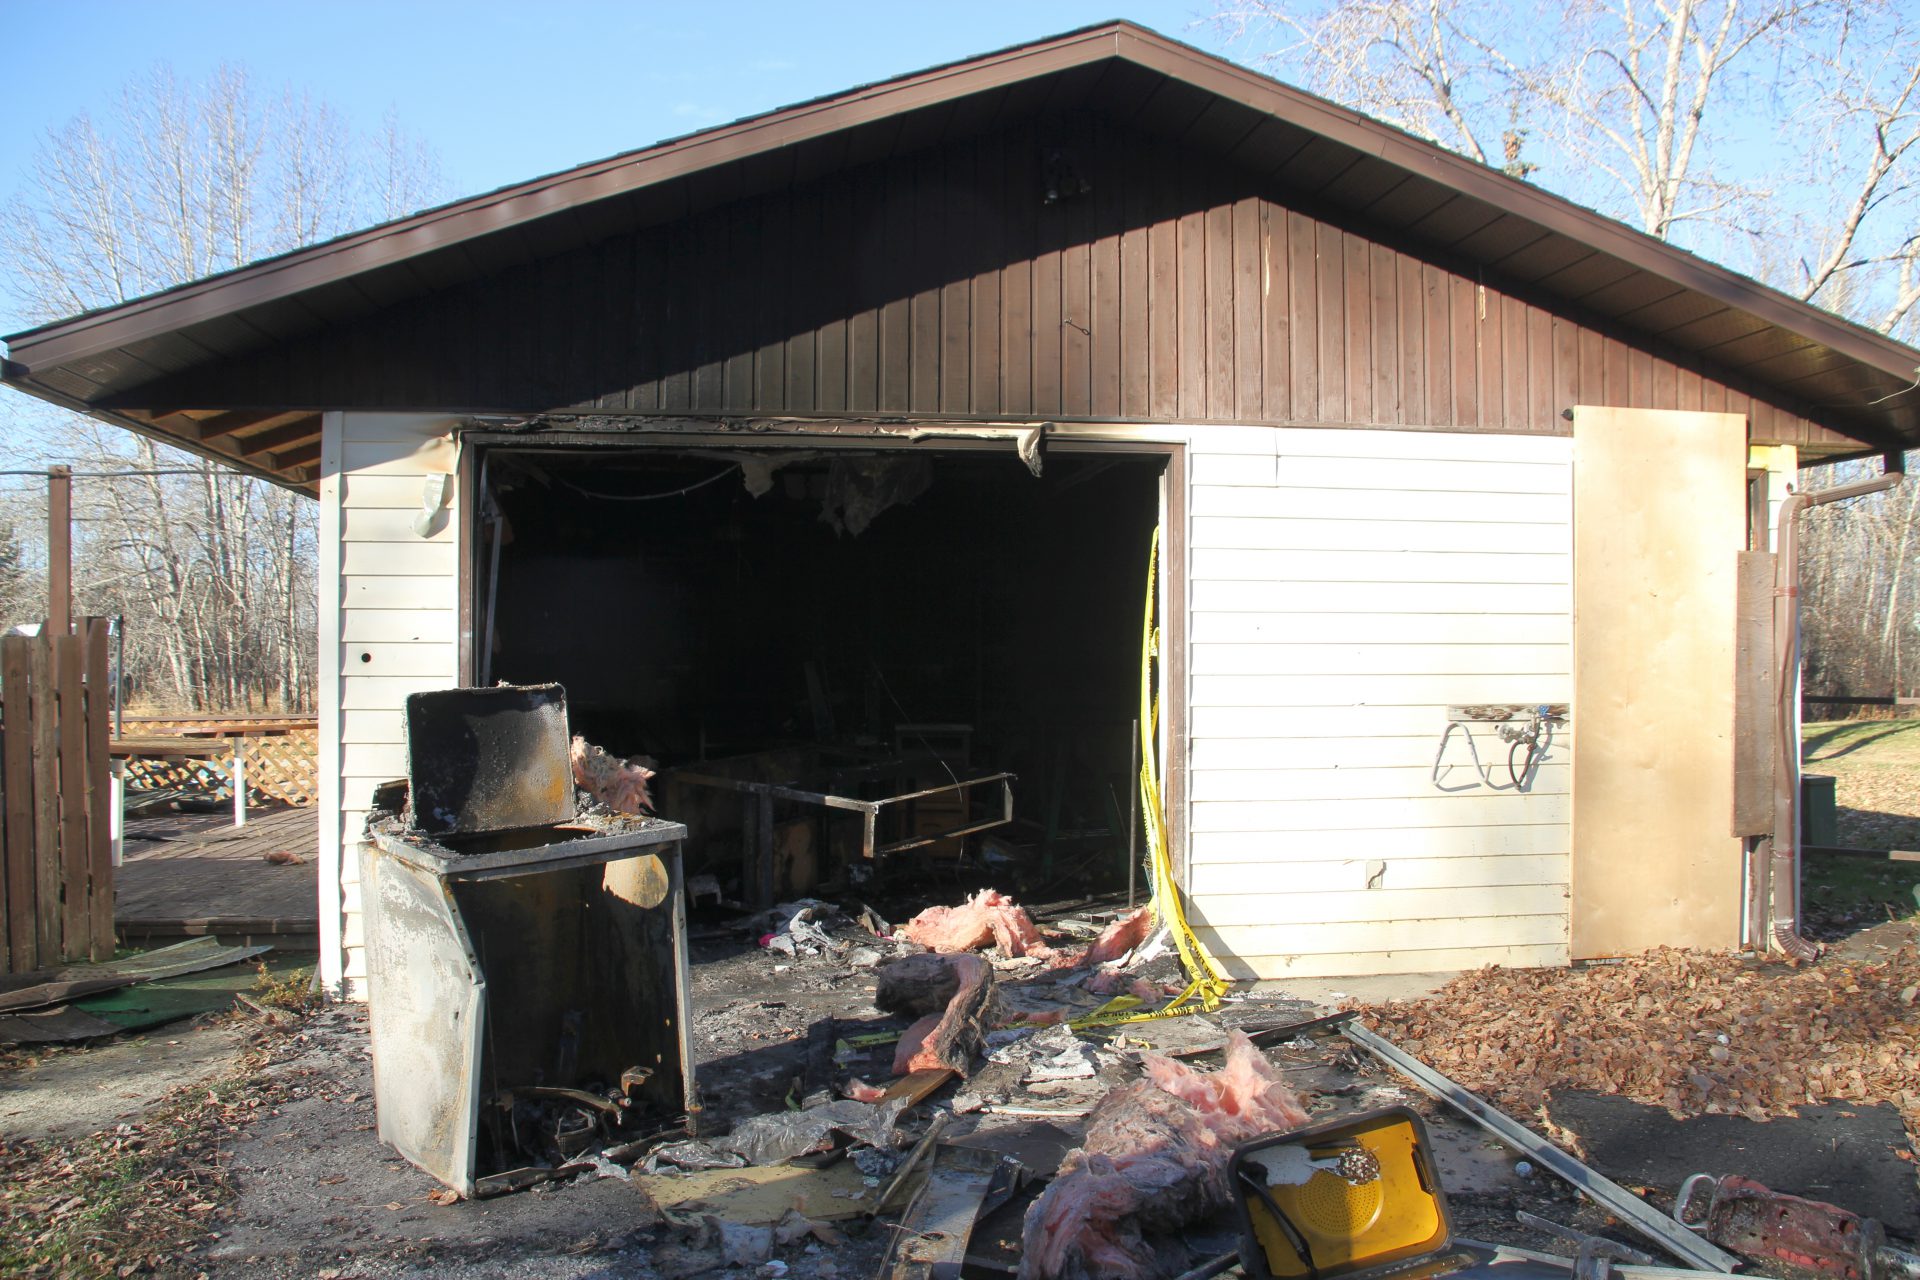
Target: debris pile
950	996
1155	1159
1688	1031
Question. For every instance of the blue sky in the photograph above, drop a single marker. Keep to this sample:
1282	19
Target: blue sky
507	91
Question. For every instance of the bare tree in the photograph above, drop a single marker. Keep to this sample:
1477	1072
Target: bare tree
1780	136
1737	122
213	571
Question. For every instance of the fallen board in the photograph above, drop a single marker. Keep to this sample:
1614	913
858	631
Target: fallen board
59	986
764	1194
53	1026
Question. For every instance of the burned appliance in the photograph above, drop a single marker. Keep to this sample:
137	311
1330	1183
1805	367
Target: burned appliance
526	963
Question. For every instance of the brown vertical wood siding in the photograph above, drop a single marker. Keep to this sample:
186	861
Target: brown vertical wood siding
1160	285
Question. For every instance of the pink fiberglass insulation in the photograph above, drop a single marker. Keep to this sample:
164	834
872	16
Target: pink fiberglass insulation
913	1043
1155	1159
1120	937
989	917
621	785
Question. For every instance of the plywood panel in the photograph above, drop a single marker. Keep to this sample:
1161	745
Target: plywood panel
1653	864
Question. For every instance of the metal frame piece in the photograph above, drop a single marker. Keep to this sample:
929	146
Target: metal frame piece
759	872
1610	1195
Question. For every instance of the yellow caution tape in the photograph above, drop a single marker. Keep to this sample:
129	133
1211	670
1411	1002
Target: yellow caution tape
1207	981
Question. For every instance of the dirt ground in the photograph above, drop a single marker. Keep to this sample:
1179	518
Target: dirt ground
247	1148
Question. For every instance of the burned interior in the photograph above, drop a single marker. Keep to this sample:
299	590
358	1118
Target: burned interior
942	637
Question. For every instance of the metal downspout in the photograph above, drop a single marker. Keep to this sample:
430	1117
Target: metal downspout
1783	866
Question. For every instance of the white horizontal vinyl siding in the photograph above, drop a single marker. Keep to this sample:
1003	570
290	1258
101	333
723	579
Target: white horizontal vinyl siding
395	629
1345	588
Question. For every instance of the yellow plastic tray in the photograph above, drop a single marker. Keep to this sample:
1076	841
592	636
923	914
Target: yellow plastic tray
1347	1229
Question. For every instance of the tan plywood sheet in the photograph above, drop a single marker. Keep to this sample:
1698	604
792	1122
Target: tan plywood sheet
1659	522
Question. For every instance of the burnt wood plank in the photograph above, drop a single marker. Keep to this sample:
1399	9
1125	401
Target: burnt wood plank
1220	313
1050	230
1359	336
928	271
1329	265
833	280
983	327
1276	351
802	283
770	326
1479	323
1303	317
1411	286
1136	315
99	714
1249	373
1076	284
1020	182
1566	372
1191	320
46	802
1163	308
1384	274
1510	410
1108	303
16	751
1539	370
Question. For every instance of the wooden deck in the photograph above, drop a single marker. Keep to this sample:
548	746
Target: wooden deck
196	873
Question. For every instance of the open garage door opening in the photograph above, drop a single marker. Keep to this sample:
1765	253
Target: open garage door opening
905	674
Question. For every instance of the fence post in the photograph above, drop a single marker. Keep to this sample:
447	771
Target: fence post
239	781
46	803
16	663
102	816
70	724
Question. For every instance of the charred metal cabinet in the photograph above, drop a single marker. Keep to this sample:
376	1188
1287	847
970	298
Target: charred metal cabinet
560	965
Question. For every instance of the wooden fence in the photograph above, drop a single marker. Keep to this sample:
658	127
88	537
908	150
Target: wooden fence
55	835
281	754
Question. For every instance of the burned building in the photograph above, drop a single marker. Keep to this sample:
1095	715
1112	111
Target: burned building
820	457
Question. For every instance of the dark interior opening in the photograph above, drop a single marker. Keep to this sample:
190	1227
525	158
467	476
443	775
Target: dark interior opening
868	623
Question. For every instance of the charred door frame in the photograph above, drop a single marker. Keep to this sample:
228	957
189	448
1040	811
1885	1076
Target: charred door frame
1176	746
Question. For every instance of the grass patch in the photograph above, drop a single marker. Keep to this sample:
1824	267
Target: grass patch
292	991
1862	888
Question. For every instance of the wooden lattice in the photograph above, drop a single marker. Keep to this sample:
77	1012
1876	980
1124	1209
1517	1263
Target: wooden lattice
281	766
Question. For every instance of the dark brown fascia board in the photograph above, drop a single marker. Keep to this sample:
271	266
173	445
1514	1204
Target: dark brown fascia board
92	334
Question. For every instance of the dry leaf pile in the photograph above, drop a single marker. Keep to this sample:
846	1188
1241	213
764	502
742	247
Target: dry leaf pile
1688	1031
134	1199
